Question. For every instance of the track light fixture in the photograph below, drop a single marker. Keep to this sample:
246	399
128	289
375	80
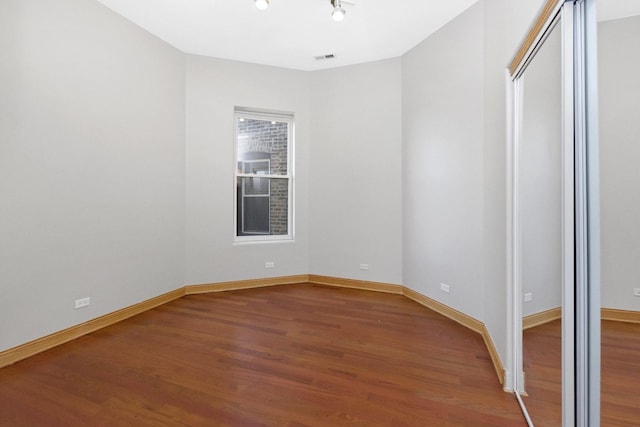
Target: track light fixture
261	4
338	12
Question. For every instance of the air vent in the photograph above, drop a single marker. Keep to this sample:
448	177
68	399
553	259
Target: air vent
323	57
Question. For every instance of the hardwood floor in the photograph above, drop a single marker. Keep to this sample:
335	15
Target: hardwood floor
620	374
542	361
294	355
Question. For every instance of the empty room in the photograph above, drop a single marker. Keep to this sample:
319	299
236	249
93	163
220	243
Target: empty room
319	213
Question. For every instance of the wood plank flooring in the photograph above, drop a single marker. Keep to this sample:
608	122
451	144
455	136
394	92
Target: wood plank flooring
542	361
620	374
294	355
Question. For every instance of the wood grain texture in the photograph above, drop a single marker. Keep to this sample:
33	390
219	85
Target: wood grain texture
453	314
629	316
31	348
355	284
546	13
292	355
542	360
493	353
464	320
244	284
620	374
537	319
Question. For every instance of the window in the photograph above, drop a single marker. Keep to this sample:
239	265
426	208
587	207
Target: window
263	175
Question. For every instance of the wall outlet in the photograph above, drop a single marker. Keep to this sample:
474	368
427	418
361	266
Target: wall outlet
269	264
636	292
445	288
82	302
528	297
364	266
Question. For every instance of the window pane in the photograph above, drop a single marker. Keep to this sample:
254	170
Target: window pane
263	139
255	215
259	167
255	186
263	206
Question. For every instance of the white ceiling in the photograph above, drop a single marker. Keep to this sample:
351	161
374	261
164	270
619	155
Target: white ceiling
614	9
291	32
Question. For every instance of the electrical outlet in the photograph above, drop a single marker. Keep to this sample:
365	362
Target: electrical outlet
82	302
528	297
636	292
444	287
364	266
269	264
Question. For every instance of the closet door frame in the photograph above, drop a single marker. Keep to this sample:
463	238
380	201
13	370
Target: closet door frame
580	214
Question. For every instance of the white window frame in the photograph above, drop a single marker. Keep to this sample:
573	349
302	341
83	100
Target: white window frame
265	115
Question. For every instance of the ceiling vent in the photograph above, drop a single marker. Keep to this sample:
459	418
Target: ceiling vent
323	57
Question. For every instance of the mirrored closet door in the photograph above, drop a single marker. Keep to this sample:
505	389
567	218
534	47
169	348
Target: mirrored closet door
539	197
554	218
619	120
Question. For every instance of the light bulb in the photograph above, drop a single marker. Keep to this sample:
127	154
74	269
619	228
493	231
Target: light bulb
262	4
338	13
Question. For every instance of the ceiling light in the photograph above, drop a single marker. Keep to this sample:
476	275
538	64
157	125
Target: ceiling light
338	12
262	4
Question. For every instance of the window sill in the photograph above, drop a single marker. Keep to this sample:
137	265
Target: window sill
239	241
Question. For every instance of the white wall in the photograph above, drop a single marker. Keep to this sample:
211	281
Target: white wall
91	165
214	88
540	179
455	209
442	126
355	213
619	95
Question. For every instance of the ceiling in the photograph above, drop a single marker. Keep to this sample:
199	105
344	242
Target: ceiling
291	33
614	9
